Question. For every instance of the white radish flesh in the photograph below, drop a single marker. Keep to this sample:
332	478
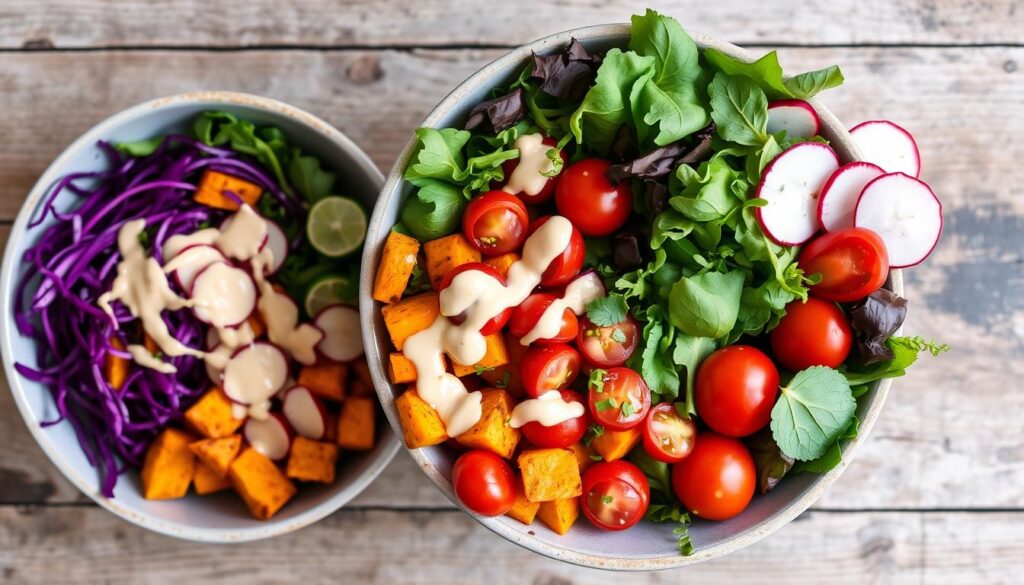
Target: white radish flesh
305	413
905	213
225	296
889	146
839	195
271	436
254	374
190	262
796	117
342	340
790	185
277	242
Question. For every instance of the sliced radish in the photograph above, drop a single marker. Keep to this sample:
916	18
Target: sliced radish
305	413
888	145
270	436
254	374
790	184
243	234
190	262
214	373
225	296
907	215
796	117
212	339
277	242
342	338
840	193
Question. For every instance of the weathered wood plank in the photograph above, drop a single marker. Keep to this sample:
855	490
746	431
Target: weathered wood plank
104	23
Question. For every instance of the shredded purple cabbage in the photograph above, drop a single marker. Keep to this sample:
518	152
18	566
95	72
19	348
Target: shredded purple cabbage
73	262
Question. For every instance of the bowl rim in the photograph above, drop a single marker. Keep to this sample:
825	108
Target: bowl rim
392	188
389	442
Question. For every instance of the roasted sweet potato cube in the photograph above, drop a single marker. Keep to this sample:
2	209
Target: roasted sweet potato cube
397	261
214	186
261	484
421	425
331	427
217	454
584	455
208	481
612	445
211	415
169	466
523	509
115	368
409	316
325	379
559	515
492	432
360	370
401	370
550	474
357	423
496	356
311	460
447	253
502	263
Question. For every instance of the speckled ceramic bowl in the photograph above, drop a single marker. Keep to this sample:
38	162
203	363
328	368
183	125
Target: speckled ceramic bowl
645	546
220	517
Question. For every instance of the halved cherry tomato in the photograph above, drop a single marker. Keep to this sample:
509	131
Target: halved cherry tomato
495	223
615	494
852	262
496	322
735	390
717	480
813	333
484	483
525	317
607	347
549	188
561	435
563	268
549	367
668	436
590	201
621	400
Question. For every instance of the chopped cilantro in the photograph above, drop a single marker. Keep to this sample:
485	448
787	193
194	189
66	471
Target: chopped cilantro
606	499
602	405
597	380
607	311
627	409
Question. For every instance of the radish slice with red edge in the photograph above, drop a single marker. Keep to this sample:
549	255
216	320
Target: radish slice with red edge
889	146
796	117
839	195
342	340
225	295
254	374
907	215
790	185
277	242
190	262
271	436
305	413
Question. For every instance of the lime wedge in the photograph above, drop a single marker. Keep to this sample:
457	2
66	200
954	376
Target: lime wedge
336	226
329	290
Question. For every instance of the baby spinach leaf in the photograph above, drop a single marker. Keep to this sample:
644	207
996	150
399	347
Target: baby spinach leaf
767	74
434	211
740	110
706	305
812	412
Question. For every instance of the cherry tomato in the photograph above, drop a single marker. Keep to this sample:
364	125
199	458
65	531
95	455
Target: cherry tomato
621	401
565	267
813	333
717	480
549	188
495	324
590	201
615	494
484	483
852	262
549	367
525	317
495	223
668	436
607	347
561	435
736	388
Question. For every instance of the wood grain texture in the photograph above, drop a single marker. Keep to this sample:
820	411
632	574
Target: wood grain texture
234	23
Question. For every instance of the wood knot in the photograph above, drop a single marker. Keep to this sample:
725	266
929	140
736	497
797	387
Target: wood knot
364	70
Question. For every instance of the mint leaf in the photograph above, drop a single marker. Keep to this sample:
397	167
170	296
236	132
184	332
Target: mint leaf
812	412
607	311
740	110
434	211
607	104
706	305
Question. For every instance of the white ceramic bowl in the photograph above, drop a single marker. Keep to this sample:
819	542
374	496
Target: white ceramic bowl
645	546
220	517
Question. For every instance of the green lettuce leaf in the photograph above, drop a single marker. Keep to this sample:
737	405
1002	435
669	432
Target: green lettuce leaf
812	413
608	103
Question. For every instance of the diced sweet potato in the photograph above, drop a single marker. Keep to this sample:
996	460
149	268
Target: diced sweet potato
523	509
396	263
410	316
444	254
331	427
492	432
356	423
421	425
559	515
260	483
583	455
401	370
325	379
612	445
115	368
217	454
257	325
361	371
211	416
508	375
550	474
213	186
208	481
501	263
169	466
496	356
311	460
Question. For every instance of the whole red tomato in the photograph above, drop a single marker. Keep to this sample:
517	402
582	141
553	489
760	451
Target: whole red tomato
590	201
561	435
717	480
813	333
484	483
736	388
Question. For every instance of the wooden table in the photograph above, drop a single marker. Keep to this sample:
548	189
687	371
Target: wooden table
937	493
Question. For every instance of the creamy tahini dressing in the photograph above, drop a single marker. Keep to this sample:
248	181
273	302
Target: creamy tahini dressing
549	409
178	242
283	329
577	294
528	177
